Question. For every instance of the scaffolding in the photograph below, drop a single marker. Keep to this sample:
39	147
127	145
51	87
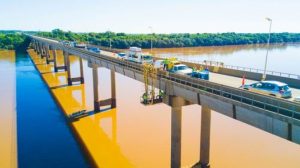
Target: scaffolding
150	96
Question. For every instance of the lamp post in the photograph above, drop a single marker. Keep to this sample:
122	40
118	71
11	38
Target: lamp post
268	45
109	34
151	29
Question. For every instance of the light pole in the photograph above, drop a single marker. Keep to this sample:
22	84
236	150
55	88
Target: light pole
151	29
109	39
268	45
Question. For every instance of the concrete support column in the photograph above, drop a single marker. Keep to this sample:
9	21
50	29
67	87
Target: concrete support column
36	47
205	136
176	137
95	86
33	45
54	60
47	54
43	51
113	88
81	71
68	67
39	49
176	104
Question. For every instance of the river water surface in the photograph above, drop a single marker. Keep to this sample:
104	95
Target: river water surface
282	57
140	134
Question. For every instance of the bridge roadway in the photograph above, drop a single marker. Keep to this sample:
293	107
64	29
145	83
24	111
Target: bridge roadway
274	115
227	80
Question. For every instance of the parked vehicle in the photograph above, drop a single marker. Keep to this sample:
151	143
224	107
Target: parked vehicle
94	49
66	43
181	69
174	66
135	55
80	45
297	99
121	55
204	74
273	88
158	64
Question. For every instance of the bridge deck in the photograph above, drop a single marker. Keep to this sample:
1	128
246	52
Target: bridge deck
237	82
226	79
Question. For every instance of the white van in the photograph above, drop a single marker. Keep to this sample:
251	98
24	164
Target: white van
135	55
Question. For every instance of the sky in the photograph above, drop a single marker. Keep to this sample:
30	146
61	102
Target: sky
164	16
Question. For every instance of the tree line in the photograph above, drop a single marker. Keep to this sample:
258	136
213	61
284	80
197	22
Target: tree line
12	40
122	40
15	39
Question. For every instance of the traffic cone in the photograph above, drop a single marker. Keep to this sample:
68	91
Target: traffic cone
243	80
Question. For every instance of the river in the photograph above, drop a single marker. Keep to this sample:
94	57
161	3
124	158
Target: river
140	135
282	57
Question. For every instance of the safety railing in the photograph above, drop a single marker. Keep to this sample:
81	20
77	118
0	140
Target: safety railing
276	105
255	70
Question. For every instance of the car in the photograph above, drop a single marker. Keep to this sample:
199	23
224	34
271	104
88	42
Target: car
181	69
272	88
94	49
159	64
204	74
121	55
297	99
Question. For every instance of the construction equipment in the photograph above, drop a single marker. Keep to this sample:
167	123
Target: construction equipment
149	97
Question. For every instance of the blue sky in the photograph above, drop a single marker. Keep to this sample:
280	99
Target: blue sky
165	16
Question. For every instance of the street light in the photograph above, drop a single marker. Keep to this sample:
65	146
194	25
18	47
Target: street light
109	39
268	46
151	29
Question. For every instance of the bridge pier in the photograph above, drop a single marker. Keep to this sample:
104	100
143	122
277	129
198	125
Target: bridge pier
47	54
54	60
34	45
95	88
176	104
205	136
68	69
40	49
113	88
98	103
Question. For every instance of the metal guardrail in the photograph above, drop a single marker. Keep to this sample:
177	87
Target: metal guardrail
255	70
275	73
276	105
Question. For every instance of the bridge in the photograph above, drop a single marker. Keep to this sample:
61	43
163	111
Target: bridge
275	115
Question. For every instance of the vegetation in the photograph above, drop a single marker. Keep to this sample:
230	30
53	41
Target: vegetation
16	40
122	40
12	40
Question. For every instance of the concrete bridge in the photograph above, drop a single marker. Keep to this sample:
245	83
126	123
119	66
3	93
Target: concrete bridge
274	115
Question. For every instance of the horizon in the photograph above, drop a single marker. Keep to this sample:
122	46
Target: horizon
154	32
135	17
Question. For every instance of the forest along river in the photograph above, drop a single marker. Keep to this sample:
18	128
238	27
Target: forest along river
282	57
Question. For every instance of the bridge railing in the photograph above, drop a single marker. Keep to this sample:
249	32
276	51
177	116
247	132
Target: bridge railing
256	70
276	105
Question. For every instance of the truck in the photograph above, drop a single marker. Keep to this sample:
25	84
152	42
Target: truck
174	66
135	55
